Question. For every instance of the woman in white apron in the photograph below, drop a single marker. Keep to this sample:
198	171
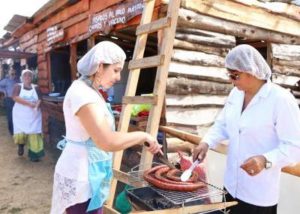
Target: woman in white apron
27	118
84	169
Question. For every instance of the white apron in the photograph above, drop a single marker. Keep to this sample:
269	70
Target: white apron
26	119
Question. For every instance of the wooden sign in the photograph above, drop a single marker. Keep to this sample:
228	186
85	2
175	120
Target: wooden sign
120	14
54	34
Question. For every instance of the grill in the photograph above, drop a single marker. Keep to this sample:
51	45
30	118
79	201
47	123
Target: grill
152	198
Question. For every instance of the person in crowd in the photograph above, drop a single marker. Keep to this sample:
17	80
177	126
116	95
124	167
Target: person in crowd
261	121
83	171
27	117
7	86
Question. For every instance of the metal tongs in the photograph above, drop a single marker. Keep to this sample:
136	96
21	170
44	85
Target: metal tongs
162	157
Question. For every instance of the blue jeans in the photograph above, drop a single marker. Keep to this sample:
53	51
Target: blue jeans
9	104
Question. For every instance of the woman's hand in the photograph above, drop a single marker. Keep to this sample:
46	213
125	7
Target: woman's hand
152	144
200	151
254	165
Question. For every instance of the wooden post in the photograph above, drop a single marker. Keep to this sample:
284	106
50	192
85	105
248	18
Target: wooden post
73	60
91	42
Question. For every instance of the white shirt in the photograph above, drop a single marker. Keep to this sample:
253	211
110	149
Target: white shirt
269	126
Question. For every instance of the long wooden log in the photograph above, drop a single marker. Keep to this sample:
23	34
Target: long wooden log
286	52
284	62
286	70
195	139
218	74
219	51
285	80
195	100
205	37
192	115
197	58
234	11
192	138
188	18
278	7
184	86
175	145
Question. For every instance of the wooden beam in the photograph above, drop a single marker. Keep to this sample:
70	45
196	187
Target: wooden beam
192	19
199	36
197	58
185	45
241	13
15	54
185	86
283	8
221	148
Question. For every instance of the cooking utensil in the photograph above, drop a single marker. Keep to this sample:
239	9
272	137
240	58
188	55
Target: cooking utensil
187	173
162	158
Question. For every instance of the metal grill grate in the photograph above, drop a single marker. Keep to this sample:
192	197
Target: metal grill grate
179	198
202	195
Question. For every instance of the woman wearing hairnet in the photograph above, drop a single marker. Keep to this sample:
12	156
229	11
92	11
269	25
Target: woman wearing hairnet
261	120
27	117
84	169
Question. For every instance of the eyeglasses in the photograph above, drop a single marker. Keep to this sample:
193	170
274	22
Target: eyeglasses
234	76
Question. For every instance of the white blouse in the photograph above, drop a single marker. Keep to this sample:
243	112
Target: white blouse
71	184
269	126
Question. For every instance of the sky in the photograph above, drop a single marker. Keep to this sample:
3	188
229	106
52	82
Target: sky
21	7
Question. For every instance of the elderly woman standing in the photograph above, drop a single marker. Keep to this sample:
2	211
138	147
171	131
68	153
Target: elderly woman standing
84	169
261	120
27	117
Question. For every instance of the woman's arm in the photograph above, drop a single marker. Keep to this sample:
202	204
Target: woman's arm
108	140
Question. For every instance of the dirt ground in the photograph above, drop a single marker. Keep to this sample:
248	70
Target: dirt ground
25	186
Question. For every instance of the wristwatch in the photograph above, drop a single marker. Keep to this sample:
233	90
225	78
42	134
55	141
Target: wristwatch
268	164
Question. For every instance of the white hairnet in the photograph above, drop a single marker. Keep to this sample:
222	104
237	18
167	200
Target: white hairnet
245	58
104	52
23	72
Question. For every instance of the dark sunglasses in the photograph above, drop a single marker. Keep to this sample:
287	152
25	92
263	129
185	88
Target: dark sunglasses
234	76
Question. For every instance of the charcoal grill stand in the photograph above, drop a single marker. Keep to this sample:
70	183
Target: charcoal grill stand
136	182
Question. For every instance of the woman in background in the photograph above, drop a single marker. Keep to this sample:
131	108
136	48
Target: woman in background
7	86
84	169
27	117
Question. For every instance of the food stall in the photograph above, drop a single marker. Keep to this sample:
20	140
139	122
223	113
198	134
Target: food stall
197	85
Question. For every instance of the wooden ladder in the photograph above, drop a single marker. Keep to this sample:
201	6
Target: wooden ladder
167	26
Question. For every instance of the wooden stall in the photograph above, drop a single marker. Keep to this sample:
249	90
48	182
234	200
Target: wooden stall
197	86
61	32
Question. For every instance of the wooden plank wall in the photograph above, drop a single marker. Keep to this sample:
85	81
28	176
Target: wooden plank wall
285	62
197	84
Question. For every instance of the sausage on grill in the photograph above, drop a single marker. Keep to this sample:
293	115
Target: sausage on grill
156	176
